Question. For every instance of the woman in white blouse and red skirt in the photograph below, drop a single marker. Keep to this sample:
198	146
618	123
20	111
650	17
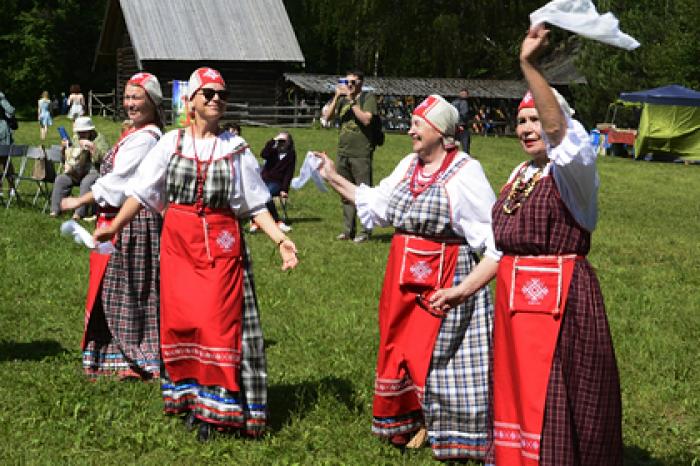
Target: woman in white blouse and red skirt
121	323
211	339
433	366
556	387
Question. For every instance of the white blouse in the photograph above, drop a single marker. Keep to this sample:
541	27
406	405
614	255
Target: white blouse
573	164
470	195
248	192
109	189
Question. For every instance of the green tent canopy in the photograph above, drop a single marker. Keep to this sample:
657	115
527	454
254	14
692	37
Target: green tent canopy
670	121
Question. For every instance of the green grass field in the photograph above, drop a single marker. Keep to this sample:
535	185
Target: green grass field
321	332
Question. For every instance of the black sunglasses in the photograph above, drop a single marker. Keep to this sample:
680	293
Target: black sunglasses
352	82
209	93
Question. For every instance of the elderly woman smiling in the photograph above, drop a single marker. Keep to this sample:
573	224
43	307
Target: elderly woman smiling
433	366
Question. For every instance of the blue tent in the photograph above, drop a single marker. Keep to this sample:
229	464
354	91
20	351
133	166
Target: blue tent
666	95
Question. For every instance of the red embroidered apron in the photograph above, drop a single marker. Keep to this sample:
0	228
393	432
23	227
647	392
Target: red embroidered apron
201	296
531	297
416	266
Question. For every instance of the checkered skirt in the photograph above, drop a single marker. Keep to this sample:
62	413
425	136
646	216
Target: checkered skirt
583	410
456	397
123	336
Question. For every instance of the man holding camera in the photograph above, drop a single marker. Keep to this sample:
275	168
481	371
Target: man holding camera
355	110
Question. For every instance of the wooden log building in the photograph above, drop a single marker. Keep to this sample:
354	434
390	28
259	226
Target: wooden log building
251	42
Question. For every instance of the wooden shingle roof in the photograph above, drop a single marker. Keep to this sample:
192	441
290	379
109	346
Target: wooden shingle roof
196	30
482	88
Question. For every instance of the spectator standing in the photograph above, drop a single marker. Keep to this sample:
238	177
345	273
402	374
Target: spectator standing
7	114
76	102
44	114
354	109
462	105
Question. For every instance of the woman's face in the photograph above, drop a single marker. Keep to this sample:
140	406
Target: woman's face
211	106
529	132
425	138
138	106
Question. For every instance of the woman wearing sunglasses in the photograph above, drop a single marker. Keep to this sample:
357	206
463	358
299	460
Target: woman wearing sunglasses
211	338
433	366
121	325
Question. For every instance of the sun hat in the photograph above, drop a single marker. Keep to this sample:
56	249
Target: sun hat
83	123
438	113
202	76
150	84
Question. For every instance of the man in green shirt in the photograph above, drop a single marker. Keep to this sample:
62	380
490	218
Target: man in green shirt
354	109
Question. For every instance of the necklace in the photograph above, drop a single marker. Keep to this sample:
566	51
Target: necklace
202	171
520	190
417	187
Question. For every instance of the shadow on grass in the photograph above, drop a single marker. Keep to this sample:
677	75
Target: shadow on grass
633	455
294	220
291	400
382	237
32	351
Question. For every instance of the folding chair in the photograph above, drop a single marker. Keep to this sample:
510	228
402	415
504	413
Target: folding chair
37	155
17	152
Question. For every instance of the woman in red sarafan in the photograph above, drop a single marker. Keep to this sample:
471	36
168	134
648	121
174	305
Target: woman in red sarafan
212	344
432	366
556	389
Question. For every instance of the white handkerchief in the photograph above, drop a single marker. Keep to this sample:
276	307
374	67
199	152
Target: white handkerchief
309	171
82	236
581	17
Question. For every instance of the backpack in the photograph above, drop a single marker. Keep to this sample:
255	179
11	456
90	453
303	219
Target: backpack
376	132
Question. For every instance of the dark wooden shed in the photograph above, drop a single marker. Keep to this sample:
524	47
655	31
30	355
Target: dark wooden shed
251	42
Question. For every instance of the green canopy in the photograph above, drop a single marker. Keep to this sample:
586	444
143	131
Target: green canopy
669	129
670	121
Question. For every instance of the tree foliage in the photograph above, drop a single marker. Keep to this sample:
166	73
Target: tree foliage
48	45
669	32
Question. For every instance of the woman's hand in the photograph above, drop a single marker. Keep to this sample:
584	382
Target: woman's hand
327	167
447	298
288	251
535	41
103	234
70	203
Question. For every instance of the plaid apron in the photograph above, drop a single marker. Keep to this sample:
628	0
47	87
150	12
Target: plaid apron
232	395
122	311
454	403
581	422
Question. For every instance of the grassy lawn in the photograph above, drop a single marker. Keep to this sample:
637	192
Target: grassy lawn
321	332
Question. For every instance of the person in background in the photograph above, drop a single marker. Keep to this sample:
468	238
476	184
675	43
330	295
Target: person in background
122	310
64	103
7	112
354	109
280	159
44	114
432	377
75	102
233	128
556	387
82	157
211	339
462	106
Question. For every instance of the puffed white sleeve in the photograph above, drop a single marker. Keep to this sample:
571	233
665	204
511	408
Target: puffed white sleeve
148	185
574	170
471	202
372	202
249	194
110	189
